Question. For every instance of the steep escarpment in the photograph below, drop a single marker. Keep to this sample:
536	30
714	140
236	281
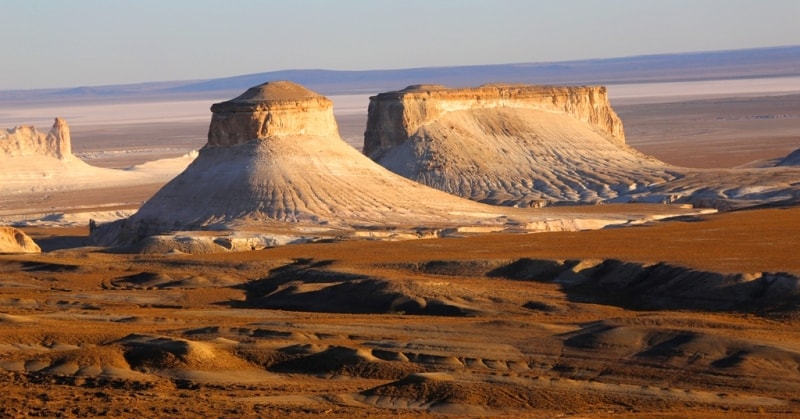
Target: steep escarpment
272	110
396	116
274	159
510	145
537	146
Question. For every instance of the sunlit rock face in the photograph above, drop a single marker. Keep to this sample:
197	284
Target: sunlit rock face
522	145
28	141
270	110
516	145
395	116
274	159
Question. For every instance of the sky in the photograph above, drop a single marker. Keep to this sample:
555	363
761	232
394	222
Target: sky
70	43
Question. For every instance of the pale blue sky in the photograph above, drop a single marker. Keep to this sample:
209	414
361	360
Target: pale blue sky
66	43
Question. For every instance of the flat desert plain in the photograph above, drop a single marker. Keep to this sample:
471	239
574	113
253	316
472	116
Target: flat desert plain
694	317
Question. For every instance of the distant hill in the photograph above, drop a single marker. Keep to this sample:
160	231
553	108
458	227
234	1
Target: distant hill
732	64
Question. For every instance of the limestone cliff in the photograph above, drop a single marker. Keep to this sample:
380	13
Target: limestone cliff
536	146
270	110
395	116
28	141
274	162
274	159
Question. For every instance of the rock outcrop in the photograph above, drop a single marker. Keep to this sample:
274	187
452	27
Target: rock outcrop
396	116
13	240
537	146
509	145
272	110
275	163
33	163
27	141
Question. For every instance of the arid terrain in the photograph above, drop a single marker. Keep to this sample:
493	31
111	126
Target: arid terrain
689	317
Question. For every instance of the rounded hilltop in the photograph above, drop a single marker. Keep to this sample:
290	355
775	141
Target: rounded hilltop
272	91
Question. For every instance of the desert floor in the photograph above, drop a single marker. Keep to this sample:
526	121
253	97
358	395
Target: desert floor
684	318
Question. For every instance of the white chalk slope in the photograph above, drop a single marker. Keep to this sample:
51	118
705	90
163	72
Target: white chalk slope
274	160
522	157
531	146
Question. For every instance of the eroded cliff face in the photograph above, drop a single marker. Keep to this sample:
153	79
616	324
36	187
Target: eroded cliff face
271	109
28	141
396	116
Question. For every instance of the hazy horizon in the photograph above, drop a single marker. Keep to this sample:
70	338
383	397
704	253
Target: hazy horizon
92	43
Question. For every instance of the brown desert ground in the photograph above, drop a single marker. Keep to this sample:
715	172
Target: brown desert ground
487	325
692	317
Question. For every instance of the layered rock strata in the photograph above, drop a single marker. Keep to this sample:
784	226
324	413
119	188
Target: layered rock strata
396	116
514	145
275	163
521	145
274	109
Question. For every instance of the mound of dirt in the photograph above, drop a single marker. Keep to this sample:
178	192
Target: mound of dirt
689	349
298	287
13	240
339	360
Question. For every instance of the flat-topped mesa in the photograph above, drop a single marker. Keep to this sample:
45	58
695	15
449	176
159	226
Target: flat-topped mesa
28	141
395	116
275	108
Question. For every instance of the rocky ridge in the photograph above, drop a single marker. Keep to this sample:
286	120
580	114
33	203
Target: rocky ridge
26	140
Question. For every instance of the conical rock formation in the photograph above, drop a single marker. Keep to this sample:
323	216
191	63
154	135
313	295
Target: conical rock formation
274	162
